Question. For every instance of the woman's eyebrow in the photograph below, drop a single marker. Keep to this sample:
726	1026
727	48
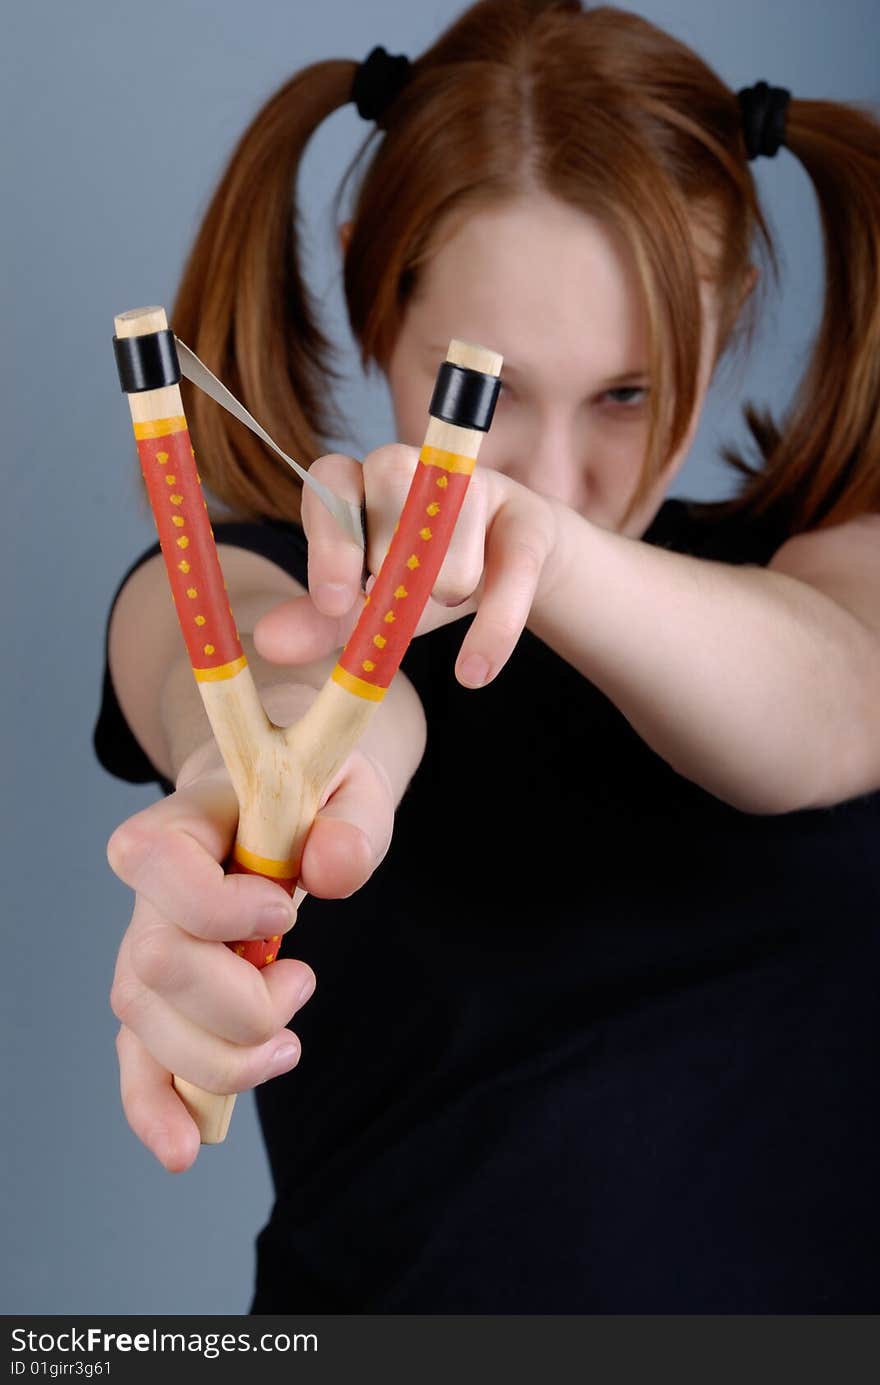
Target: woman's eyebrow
628	375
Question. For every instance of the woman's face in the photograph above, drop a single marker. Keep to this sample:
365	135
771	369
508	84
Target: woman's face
557	294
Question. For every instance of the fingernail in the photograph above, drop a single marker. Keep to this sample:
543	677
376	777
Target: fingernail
334	598
275	918
307	990
283	1059
474	671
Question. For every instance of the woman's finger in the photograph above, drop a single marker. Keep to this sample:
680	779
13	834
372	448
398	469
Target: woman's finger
152	1108
296	632
352	831
179	1046
335	561
171	852
206	982
388	473
516	551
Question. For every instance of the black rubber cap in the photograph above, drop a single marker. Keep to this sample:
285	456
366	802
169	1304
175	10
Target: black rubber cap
146	363
464	397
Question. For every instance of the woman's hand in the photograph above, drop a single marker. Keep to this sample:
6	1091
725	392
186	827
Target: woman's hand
500	559
187	1004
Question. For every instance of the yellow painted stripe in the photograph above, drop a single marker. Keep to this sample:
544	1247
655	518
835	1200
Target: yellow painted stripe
283	870
216	675
159	427
359	686
449	461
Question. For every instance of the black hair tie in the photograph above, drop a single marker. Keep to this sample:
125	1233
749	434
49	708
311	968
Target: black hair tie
378	81
763	118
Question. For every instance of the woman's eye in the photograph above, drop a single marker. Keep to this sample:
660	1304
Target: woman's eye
627	395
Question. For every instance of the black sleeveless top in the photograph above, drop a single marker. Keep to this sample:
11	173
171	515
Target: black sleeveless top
590	1040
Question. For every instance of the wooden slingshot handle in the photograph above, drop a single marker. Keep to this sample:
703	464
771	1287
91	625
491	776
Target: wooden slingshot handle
279	776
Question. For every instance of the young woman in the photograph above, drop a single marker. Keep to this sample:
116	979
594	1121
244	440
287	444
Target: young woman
600	1033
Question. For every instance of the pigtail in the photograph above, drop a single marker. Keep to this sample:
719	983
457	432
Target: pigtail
822	466
245	310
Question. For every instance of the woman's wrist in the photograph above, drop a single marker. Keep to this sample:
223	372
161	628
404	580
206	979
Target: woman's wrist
556	573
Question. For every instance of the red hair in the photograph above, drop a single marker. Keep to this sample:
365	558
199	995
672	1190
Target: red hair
611	115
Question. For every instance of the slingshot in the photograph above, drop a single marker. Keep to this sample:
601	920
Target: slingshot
279	776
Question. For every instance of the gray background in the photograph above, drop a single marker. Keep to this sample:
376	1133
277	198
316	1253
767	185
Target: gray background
100	99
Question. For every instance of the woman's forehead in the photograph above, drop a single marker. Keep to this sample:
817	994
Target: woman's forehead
535	275
552	288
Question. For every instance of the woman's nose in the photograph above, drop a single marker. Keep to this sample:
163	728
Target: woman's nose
554	463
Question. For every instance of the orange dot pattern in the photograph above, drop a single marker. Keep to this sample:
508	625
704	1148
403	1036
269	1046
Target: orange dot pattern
388	621
179	509
258	951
